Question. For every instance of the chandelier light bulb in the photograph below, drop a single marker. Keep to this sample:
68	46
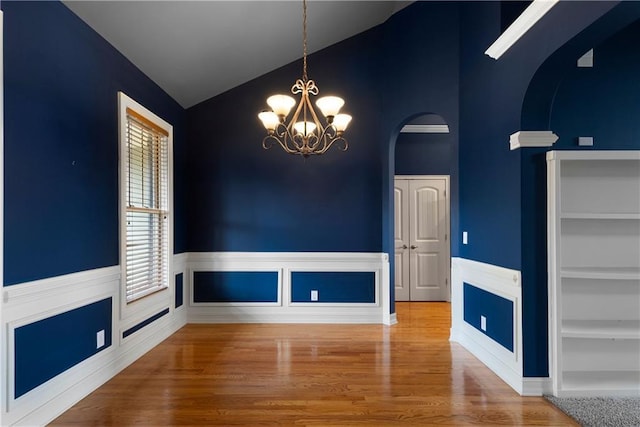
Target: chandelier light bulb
281	104
341	121
269	119
330	105
305	128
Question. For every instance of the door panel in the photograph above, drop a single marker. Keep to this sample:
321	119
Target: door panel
422	215
401	204
425	218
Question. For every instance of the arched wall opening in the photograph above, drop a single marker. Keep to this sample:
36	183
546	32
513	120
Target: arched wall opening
423	143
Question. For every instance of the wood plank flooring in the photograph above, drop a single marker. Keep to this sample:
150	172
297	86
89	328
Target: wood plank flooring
312	375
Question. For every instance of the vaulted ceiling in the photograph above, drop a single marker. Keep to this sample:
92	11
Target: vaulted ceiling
195	50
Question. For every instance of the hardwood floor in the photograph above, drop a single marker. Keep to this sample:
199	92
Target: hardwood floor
311	375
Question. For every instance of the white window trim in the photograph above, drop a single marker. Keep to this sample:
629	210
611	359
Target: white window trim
143	307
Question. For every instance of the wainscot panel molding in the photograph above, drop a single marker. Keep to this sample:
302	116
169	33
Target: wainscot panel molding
504	283
41	300
284	310
529	138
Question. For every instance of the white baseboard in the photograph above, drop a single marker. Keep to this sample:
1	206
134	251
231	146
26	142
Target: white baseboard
505	283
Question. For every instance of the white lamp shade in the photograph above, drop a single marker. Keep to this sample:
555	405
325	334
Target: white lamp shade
305	128
281	104
330	105
341	121
269	119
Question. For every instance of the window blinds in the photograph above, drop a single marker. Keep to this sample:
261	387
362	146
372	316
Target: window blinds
147	204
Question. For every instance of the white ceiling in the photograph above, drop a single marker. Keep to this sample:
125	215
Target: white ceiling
198	49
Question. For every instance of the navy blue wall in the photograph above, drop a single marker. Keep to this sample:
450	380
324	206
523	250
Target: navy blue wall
61	142
498	312
425	154
48	347
179	290
244	198
235	286
335	287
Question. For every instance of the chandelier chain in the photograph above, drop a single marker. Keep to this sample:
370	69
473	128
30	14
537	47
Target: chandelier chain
304	40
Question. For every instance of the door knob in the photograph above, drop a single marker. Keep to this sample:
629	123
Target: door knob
413	246
404	246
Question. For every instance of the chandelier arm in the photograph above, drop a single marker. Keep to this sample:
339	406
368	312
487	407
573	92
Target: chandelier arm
289	139
344	147
282	136
270	140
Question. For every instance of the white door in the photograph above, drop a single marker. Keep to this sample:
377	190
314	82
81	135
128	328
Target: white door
422	239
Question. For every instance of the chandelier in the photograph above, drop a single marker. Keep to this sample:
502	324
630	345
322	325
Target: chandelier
304	134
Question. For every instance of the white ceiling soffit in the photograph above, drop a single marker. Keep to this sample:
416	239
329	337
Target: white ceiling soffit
195	50
527	19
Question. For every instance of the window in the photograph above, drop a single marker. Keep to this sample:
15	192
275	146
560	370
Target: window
145	158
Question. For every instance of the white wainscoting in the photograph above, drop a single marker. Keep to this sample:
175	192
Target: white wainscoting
284	311
30	302
505	283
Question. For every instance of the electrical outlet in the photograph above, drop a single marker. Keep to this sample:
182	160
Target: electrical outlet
465	238
100	339
314	295
483	323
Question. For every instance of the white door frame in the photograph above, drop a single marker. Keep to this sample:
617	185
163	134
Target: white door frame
3	335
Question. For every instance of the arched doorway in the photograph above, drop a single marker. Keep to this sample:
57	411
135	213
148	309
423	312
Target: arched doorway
422	158
422	145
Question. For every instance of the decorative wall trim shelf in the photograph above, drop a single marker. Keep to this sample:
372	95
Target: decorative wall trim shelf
425	129
529	138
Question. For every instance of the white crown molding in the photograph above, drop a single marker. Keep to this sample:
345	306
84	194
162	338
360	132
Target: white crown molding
425	129
527	19
532	138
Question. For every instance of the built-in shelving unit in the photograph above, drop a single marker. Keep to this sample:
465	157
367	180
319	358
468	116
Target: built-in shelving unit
593	202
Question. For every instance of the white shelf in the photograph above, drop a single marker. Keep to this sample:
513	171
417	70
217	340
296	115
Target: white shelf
601	329
618	273
595	215
600	383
